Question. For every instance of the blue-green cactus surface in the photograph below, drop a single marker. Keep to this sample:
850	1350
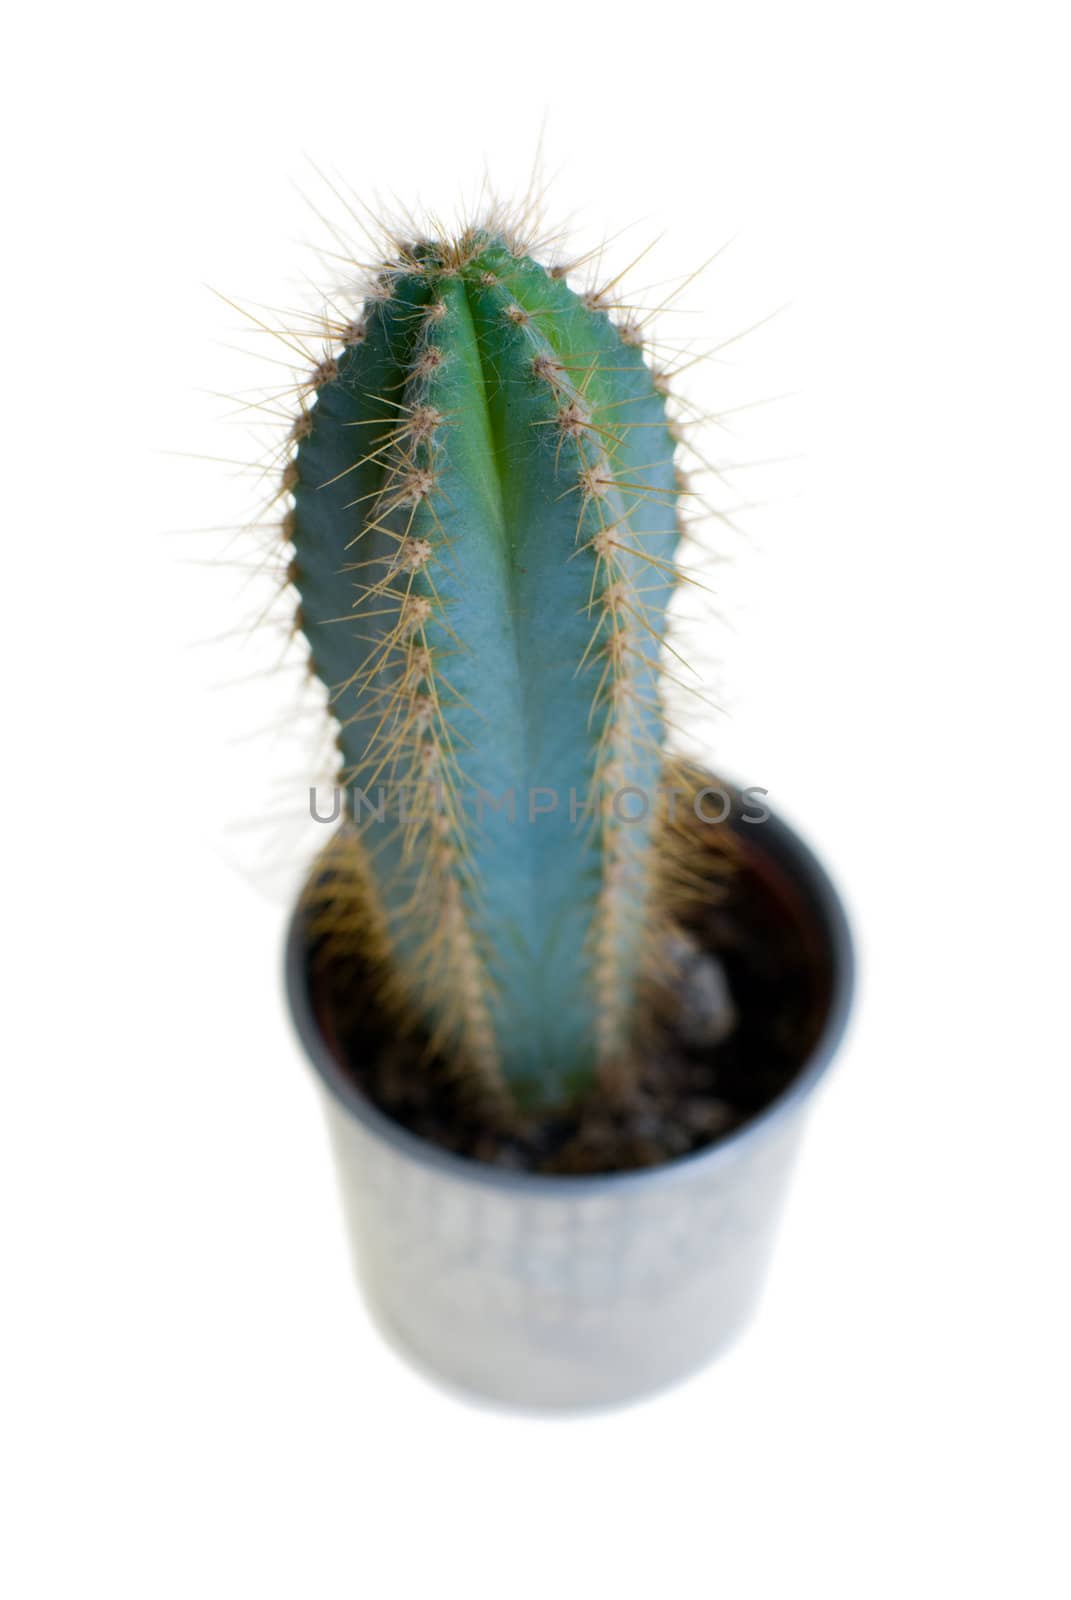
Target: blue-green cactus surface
484	528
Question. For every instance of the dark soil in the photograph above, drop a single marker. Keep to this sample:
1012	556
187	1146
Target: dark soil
680	1099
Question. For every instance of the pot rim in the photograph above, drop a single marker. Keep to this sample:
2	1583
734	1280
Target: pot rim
823	900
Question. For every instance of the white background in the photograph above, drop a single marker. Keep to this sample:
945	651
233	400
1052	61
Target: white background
194	1403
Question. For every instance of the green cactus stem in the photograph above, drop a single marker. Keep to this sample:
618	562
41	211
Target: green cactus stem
484	527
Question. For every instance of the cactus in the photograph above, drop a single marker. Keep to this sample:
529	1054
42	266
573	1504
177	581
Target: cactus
484	526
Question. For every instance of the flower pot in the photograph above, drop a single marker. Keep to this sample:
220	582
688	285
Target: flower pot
567	1292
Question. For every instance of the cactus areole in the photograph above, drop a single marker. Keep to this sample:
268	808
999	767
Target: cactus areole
484	526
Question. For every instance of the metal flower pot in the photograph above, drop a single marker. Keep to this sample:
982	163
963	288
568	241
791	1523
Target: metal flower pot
568	1292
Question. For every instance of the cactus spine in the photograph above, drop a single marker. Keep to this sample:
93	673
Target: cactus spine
484	526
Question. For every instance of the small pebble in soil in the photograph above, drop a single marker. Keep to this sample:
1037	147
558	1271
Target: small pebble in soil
705	1014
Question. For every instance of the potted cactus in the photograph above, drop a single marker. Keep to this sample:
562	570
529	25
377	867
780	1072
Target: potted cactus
567	998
